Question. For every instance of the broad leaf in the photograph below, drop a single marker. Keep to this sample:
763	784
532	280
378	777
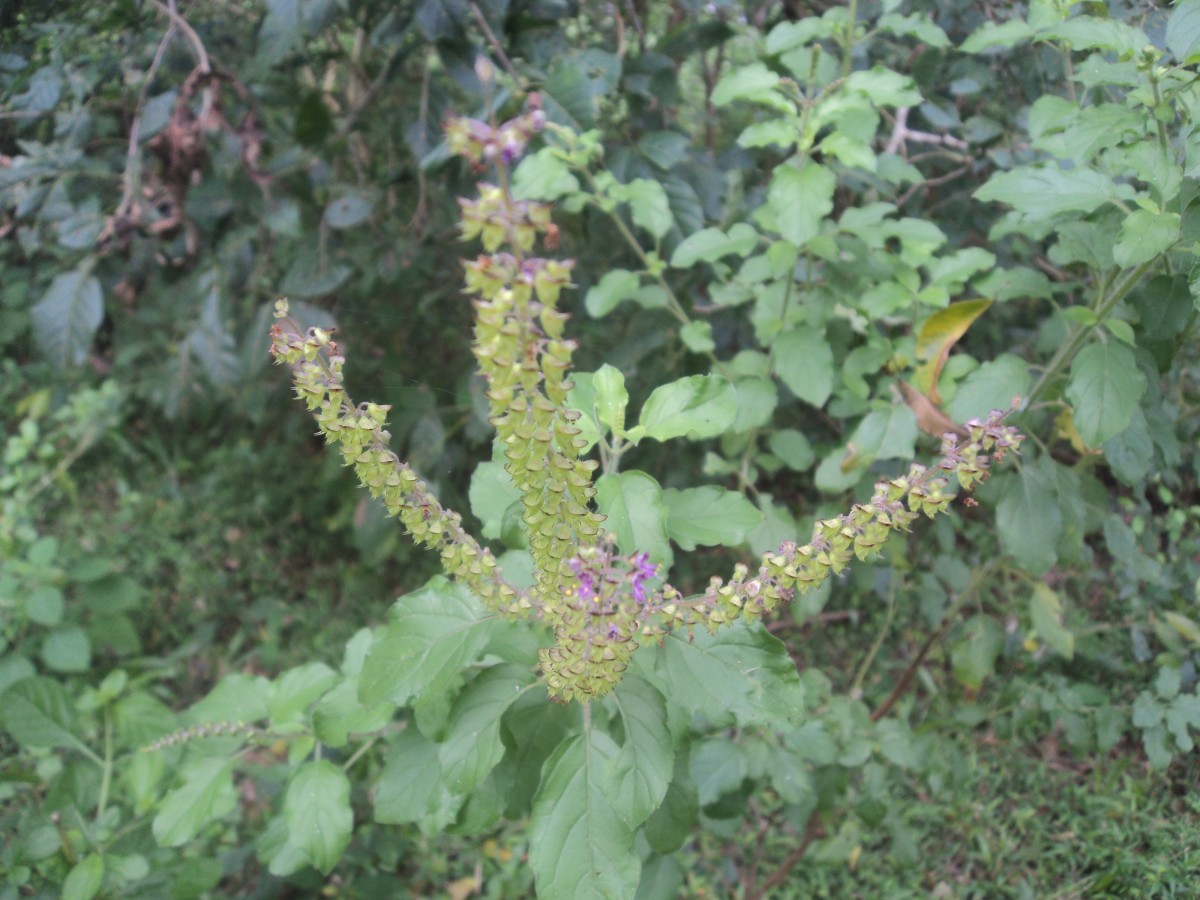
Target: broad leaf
801	198
711	244
411	787
67	317
699	406
296	689
633	503
1040	193
317	812
433	634
206	794
974	656
38	712
1104	390
1145	235
1046	611
472	746
1183	30
650	207
1028	517
742	670
613	287
579	846
994	385
709	516
642	769
803	360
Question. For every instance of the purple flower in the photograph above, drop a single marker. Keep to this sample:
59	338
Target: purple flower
642	570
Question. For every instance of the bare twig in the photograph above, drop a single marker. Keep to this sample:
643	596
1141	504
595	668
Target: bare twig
482	22
901	134
932	182
133	159
189	34
812	832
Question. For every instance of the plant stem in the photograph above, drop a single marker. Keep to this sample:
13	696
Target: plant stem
977	579
848	40
1067	351
107	768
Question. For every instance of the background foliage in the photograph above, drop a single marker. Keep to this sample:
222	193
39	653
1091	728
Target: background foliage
964	202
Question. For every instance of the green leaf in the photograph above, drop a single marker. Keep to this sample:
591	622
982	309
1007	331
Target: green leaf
753	83
350	209
718	767
642	769
84	880
800	199
492	493
699	406
1104	390
711	244
236	698
472	746
889	433
793	448
1183	30
1028	517
543	176
44	605
650	207
434	633
884	87
38	712
339	715
1145	235
1046	611
613	287
709	516
579	846
994	385
974	657
803	360
206	794
317	812
939	333
992	36
67	318
1040	193
914	25
67	650
411	787
697	336
611	397
742	669
1091	33
633	503
294	690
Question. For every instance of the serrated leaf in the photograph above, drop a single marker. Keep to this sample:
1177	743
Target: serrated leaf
637	516
491	494
1028	517
1104	390
1145	235
543	176
642	768
1183	30
803	360
206	794
753	83
742	669
709	516
472	746
711	244
67	318
339	715
294	690
1040	193
613	287
411	787
317	812
699	406
1092	33
992	36
433	634
650	207
800	199
884	87
38	712
974	656
579	846
611	397
1046	611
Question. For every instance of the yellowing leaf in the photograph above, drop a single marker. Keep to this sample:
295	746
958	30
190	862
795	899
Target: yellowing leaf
937	335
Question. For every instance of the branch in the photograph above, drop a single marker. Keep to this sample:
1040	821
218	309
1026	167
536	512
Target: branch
901	134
